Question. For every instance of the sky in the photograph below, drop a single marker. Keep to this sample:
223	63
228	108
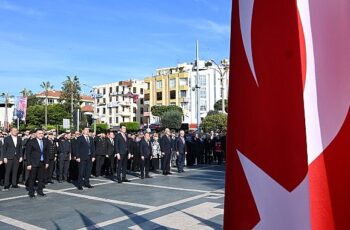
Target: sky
105	41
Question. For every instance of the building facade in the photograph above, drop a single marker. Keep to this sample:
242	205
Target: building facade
119	102
178	86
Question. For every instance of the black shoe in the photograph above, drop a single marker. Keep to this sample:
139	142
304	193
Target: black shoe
15	186
50	182
126	180
5	189
119	181
142	177
80	188
165	174
169	173
148	177
182	171
31	196
41	194
89	186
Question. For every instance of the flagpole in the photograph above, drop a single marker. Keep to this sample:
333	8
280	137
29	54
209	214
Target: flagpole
197	87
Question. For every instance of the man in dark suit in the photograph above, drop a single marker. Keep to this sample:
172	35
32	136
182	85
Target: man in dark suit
101	152
52	155
181	151
122	151
85	156
146	155
65	154
12	156
165	146
73	166
38	162
110	153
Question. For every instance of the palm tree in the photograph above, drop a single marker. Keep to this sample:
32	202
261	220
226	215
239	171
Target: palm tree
6	97
25	92
46	86
71	92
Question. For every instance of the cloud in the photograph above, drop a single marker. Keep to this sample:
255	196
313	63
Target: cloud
213	27
5	5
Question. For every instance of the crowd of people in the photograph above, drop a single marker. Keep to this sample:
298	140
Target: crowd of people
37	158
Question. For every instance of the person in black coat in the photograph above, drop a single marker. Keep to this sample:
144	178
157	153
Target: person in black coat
122	151
146	155
165	146
38	162
73	165
110	165
85	156
65	154
52	157
12	157
181	151
100	152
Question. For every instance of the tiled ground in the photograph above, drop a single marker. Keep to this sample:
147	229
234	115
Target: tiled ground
192	200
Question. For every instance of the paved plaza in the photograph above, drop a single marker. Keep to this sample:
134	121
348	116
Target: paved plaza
190	200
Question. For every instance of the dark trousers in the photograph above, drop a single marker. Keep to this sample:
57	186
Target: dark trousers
73	170
155	163
11	167
145	166
122	164
220	157
136	161
85	167
181	162
64	166
110	164
100	159
50	170
37	173
166	162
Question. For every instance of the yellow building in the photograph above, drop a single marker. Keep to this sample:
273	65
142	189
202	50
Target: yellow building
170	86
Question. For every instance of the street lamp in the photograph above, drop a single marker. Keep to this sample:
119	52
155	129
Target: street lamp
222	71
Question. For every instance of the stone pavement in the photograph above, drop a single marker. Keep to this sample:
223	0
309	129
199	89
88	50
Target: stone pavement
191	200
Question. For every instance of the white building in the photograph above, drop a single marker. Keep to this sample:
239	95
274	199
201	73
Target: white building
10	113
121	101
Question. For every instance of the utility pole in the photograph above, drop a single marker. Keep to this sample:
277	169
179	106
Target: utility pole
197	87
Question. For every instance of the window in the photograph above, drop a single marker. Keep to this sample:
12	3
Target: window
110	99
134	119
202	93
110	120
148	85
203	106
134	89
172	83
141	110
116	120
117	89
110	111
116	110
159	84
147	97
183	93
98	91
104	111
159	96
104	90
134	110
183	81
98	110
141	91
141	101
104	100
173	94
202	80
110	89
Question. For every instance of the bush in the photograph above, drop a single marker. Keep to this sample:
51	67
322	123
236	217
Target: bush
101	128
131	126
214	122
171	119
159	110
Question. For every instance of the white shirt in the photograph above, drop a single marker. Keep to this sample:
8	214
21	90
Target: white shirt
14	140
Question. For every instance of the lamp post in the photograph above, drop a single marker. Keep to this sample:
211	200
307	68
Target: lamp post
222	71
95	96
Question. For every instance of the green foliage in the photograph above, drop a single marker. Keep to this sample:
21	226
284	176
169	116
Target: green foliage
71	87
159	110
101	128
56	114
33	100
131	126
214	122
218	106
171	119
212	112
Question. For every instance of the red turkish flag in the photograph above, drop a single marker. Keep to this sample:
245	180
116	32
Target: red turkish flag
287	154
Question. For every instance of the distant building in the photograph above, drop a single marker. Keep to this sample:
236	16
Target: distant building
54	96
10	113
121	101
177	86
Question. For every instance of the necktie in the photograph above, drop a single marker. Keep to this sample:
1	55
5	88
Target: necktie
112	141
41	150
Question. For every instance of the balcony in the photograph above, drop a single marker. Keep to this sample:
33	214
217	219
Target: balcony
184	87
125	113
184	100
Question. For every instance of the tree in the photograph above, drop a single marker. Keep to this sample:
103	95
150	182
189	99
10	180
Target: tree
70	95
171	119
212	112
46	86
218	105
101	128
214	122
56	114
131	126
26	93
159	110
